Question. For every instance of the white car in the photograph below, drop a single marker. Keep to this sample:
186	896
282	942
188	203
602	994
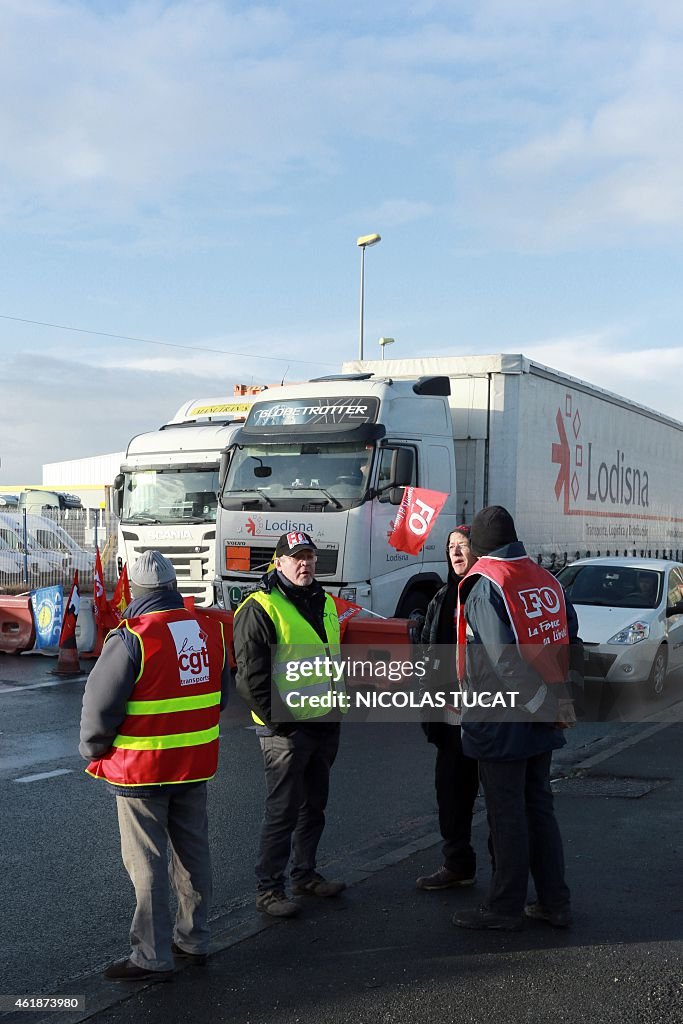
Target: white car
630	614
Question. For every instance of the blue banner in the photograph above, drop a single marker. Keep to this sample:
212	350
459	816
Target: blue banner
48	610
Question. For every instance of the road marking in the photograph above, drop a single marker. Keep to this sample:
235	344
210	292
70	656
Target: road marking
39	686
45	775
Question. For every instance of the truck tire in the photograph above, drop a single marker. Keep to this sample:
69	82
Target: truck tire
657	678
413	605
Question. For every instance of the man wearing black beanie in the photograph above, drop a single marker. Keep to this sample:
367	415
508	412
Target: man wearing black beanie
516	624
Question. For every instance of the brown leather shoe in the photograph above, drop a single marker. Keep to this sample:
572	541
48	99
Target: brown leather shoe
318	886
197	959
127	971
444	878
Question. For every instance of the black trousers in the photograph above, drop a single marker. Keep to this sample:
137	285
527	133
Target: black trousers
456	779
524	833
297	769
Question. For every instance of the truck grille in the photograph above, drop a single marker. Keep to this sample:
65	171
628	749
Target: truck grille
181	555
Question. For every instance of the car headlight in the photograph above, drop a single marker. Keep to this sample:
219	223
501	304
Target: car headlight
632	634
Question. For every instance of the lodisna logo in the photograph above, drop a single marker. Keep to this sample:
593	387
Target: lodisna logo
612	481
193	655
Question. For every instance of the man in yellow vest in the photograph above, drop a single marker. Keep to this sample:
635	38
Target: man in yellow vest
287	648
149	727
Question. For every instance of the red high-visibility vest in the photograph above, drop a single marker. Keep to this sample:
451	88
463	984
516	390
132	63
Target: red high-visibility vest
535	604
170	732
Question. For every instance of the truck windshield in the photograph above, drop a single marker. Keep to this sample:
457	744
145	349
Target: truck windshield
302	477
170	496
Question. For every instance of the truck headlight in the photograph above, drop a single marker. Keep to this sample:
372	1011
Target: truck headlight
218	595
632	634
348	593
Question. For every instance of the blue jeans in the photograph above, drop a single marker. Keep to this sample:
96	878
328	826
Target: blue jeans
524	834
147	824
297	771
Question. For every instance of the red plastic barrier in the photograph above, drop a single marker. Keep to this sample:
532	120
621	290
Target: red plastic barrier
17	629
380	638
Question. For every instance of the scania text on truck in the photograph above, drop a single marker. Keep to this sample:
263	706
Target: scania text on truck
165	493
583	472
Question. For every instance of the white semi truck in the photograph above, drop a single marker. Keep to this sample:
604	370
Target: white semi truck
165	494
582	471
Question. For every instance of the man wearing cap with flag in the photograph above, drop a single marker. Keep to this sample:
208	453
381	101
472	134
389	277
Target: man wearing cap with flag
149	727
289	622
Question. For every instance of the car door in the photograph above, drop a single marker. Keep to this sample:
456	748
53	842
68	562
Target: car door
674	623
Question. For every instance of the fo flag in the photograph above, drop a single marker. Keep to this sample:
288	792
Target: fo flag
67	637
415	518
100	603
346	610
122	595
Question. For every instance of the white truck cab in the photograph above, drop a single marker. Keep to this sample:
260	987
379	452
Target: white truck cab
166	491
330	457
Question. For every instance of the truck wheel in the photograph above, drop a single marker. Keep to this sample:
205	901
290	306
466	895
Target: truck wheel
413	605
655	683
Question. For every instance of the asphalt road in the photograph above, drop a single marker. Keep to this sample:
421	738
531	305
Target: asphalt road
66	900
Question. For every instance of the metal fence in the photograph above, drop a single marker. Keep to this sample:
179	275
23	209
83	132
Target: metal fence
45	550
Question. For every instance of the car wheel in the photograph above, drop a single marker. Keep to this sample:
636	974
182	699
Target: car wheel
657	678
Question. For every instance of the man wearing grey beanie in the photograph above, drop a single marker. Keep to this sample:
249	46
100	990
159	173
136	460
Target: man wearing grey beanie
149	727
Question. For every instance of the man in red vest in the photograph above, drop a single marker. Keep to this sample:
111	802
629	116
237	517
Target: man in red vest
149	727
517	626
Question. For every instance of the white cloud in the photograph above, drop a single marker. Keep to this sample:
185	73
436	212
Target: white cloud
647	376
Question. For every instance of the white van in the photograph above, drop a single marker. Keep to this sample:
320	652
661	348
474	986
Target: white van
11	565
44	565
50	536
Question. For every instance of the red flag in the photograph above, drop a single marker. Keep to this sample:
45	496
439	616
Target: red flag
414	519
122	596
100	603
345	611
68	632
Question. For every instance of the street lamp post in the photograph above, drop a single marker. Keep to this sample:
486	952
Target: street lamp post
384	342
363	242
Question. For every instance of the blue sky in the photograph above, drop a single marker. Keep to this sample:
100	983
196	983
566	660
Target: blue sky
197	172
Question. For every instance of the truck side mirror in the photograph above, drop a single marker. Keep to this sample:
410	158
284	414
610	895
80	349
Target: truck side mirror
223	469
119	481
401	468
395	495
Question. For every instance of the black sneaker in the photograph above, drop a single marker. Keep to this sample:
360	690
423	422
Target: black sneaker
275	903
560	918
444	878
485	918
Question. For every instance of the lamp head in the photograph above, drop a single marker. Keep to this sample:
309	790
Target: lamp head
367	240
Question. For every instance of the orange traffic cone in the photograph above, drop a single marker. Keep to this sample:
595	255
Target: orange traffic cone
67	662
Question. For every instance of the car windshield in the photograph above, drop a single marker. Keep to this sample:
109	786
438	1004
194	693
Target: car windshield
614	586
170	496
303	477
